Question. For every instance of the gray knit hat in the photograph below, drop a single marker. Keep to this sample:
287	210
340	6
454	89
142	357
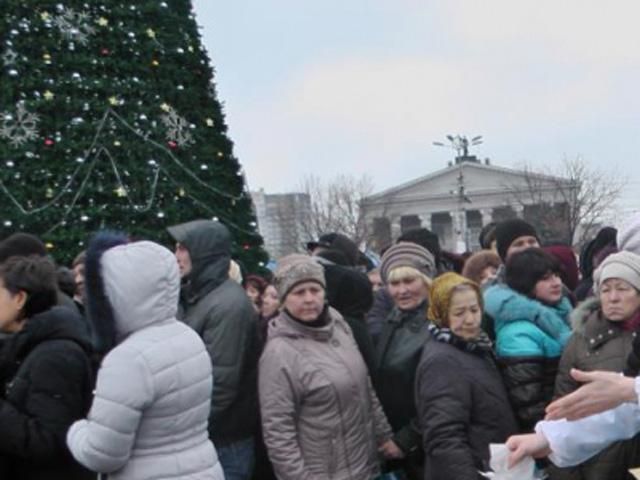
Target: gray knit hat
622	265
629	235
294	269
407	254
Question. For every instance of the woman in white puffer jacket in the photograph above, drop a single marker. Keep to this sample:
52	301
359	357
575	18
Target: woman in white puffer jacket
149	415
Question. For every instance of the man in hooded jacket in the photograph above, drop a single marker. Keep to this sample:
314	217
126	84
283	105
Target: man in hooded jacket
219	310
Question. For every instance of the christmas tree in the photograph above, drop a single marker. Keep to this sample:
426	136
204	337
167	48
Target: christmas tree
109	118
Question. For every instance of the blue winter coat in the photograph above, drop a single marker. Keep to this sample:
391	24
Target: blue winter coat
530	337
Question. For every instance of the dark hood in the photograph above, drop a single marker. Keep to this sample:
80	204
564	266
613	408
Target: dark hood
209	245
59	323
605	237
348	291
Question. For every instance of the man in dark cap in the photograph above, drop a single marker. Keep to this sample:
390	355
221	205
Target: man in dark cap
512	236
515	235
350	254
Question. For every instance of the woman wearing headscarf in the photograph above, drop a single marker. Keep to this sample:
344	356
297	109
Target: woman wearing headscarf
320	416
462	403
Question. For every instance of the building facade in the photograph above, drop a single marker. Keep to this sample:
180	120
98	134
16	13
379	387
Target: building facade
280	220
457	201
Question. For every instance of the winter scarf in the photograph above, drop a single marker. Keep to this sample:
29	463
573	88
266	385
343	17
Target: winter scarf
481	345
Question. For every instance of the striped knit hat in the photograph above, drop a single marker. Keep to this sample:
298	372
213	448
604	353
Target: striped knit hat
407	254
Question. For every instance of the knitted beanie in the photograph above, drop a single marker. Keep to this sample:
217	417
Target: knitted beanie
622	265
510	230
440	295
295	269
407	254
629	235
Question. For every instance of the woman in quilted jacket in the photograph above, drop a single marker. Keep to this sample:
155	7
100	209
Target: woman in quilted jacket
320	416
149	414
531	323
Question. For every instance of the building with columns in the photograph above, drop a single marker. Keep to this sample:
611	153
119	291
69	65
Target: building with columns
457	201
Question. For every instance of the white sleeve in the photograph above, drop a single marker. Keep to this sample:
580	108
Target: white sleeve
104	441
574	442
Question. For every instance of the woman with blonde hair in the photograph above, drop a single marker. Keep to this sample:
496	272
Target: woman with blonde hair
406	270
462	403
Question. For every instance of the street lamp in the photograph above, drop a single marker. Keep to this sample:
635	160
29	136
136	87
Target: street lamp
461	144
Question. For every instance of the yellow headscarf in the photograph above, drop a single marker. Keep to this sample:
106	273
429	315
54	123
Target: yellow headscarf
440	295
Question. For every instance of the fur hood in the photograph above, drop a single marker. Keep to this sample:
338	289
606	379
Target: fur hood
130	286
584	313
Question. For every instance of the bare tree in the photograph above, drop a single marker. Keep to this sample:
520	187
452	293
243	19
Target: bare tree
336	206
569	203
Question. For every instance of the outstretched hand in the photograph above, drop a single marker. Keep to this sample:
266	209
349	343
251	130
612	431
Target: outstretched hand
601	391
531	445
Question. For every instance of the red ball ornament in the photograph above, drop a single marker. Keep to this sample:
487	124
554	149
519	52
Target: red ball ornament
105	52
49	142
172	145
246	246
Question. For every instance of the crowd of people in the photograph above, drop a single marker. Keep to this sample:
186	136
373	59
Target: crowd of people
138	362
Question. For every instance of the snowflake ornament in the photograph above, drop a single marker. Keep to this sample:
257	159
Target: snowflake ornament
9	57
177	128
74	26
19	128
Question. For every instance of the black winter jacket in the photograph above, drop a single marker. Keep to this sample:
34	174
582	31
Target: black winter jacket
397	355
379	312
220	311
349	292
46	375
462	407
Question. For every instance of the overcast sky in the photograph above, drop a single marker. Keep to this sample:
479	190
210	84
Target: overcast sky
366	86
